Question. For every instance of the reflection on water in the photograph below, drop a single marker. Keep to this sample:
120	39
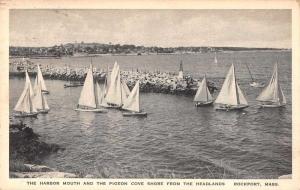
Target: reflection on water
176	139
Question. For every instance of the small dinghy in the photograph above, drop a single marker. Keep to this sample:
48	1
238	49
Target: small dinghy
203	96
272	96
39	80
25	106
73	84
231	96
88	101
132	104
253	82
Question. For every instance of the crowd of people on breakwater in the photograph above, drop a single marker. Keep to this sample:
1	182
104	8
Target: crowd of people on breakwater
156	81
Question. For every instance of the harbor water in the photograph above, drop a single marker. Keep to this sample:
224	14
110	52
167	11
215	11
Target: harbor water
176	140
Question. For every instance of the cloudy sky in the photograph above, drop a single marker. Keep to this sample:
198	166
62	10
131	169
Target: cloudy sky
166	28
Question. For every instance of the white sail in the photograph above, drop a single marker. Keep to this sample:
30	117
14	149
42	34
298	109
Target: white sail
133	101
39	79
216	60
39	99
24	103
100	93
114	93
273	92
87	96
125	91
203	94
230	93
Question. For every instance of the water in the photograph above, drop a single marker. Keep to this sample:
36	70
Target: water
176	140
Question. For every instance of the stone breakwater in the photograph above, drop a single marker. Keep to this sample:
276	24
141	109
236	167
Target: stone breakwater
155	82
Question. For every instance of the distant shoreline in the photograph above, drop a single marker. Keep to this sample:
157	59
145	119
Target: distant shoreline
146	54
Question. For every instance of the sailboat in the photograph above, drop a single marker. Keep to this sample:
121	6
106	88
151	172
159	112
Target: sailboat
272	95
203	96
253	82
40	80
88	101
25	106
215	60
70	83
231	96
114	93
39	100
125	91
133	103
100	95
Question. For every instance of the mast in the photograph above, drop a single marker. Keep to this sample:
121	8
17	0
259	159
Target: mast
216	60
249	72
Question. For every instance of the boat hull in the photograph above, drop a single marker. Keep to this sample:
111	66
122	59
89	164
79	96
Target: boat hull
91	110
257	85
112	106
25	114
271	106
72	85
135	114
45	92
43	111
203	104
231	108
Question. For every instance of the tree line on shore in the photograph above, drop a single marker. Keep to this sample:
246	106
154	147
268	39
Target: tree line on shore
84	49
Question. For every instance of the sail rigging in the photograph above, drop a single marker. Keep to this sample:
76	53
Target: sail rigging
203	94
133	101
39	99
25	103
39	79
230	93
114	92
87	96
273	92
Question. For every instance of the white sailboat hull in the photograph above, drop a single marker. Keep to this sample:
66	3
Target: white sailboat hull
43	110
112	106
22	114
136	114
202	104
45	92
271	105
231	107
97	110
256	85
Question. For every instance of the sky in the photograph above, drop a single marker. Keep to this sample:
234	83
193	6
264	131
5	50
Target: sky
164	28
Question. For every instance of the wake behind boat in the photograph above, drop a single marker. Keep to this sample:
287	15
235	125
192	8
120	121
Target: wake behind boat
231	96
272	96
203	96
132	104
25	106
88	101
